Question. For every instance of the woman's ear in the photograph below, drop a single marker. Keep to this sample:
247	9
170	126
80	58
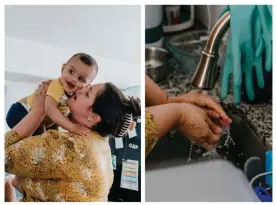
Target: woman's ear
132	125
94	118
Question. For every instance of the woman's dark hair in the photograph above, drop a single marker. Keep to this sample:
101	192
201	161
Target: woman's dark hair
114	109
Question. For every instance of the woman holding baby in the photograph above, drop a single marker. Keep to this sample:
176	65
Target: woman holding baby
62	166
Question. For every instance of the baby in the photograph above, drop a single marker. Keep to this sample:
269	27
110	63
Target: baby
79	71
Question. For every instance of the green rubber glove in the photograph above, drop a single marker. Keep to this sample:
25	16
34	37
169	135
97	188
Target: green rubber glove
249	65
240	57
265	12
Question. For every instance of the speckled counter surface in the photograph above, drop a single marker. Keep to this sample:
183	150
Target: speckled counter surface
258	117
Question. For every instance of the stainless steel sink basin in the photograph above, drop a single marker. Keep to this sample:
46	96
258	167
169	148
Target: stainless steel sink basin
171	151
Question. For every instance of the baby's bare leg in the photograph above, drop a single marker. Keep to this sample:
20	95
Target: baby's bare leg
10	195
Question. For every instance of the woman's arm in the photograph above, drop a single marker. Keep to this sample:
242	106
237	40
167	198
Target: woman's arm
27	126
50	155
31	156
154	94
54	190
188	119
61	190
165	116
157	125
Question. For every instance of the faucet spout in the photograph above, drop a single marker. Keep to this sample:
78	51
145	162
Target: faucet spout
207	72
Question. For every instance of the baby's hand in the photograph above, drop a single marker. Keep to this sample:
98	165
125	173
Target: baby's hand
80	130
16	184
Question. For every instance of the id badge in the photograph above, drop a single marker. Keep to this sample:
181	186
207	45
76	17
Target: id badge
129	178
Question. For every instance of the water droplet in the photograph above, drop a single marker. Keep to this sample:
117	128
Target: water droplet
211	153
190	153
198	151
226	131
226	141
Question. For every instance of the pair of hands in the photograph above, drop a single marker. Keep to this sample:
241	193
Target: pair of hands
39	108
202	119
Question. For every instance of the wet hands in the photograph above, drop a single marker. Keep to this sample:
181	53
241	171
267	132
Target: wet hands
207	103
196	125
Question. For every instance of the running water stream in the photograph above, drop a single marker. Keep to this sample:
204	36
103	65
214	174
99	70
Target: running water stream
225	136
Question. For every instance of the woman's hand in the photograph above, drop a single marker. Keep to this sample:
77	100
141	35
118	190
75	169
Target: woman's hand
196	125
27	126
213	109
190	120
40	96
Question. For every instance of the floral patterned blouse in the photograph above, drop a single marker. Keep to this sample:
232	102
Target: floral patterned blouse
151	132
59	166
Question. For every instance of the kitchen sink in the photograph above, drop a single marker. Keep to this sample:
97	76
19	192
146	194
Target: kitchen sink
175	150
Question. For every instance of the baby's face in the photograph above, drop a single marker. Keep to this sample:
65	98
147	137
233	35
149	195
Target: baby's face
76	75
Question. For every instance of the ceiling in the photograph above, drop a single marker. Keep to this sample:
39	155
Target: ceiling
108	31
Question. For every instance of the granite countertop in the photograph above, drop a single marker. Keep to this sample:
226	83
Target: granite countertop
258	117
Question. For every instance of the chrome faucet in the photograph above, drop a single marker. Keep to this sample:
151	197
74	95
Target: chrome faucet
207	72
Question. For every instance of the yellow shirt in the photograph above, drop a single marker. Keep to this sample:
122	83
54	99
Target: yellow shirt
56	91
58	166
151	132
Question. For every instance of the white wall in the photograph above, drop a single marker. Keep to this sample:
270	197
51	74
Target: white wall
33	58
133	91
111	31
